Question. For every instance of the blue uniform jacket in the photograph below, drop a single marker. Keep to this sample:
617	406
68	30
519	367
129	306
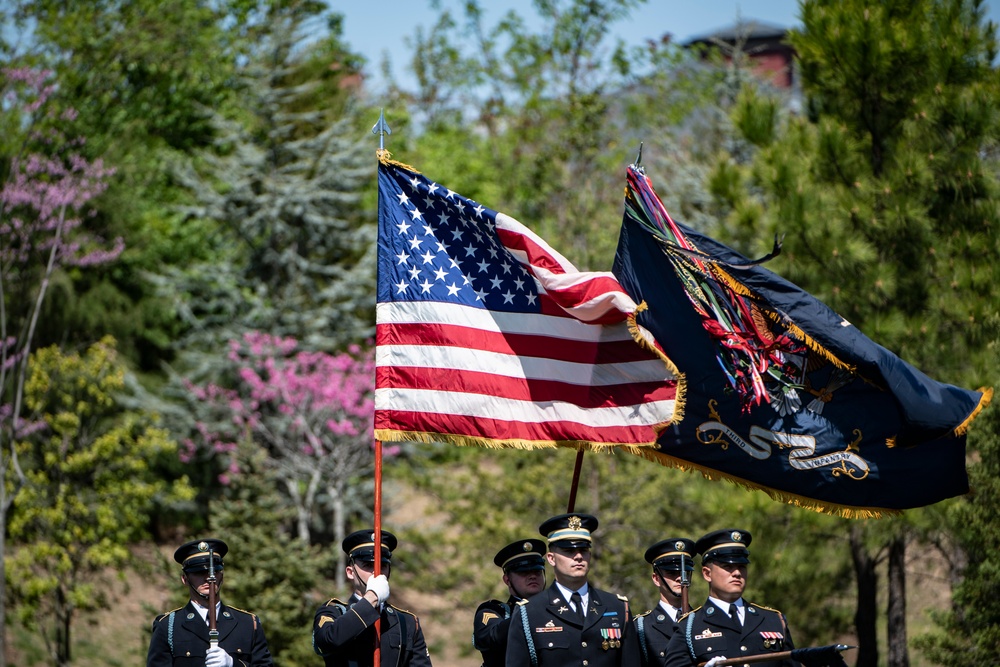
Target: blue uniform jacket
654	629
544	632
708	632
489	630
180	638
344	634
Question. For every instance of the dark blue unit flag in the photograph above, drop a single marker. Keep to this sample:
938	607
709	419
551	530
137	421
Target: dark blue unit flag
783	394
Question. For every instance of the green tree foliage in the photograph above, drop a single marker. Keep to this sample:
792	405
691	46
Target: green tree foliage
293	252
89	493
142	77
969	632
269	571
47	190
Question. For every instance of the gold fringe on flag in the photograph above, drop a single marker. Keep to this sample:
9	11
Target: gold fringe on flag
681	392
834	509
385	157
984	400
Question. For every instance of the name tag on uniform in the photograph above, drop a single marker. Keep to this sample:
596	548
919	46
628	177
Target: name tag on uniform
708	634
549	629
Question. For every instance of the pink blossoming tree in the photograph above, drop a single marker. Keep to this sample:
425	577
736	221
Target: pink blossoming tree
43	215
311	411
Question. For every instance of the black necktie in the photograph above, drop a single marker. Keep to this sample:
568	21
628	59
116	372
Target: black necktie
734	614
578	603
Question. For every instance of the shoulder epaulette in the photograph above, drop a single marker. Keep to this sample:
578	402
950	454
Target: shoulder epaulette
760	606
242	611
682	616
402	611
165	614
521	603
252	615
645	613
496	604
333	601
623	598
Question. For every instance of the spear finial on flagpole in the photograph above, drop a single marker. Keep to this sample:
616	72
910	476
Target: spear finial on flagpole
638	158
381	128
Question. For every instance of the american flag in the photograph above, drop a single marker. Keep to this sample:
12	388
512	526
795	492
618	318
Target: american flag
487	336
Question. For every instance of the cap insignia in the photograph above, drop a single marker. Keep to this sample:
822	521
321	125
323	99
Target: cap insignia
679	545
203	546
737	536
526	546
575	523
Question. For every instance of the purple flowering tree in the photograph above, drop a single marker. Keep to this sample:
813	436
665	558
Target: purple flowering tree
43	215
311	411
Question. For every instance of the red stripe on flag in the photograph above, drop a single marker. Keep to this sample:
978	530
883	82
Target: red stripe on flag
554	391
540	345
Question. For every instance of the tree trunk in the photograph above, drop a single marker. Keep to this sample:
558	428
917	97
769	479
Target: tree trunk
866	612
898	654
338	536
301	511
63	618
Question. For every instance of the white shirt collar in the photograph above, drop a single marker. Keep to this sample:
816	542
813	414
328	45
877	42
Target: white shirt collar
584	592
203	610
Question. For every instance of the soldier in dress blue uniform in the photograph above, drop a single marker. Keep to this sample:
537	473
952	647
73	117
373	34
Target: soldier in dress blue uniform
572	622
344	632
180	637
669	558
523	565
727	625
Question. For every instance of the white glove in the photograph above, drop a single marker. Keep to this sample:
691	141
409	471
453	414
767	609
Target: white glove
379	586
715	661
217	657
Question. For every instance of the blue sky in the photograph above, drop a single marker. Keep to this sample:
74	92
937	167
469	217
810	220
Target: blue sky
377	27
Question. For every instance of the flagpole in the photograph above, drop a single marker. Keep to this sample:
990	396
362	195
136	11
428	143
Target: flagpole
377	657
576	480
381	128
